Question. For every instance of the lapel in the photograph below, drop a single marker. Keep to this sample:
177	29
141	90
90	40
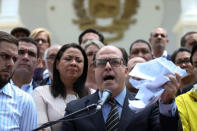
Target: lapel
127	114
97	119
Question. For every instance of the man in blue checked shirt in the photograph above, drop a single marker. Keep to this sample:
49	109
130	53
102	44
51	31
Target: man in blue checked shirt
17	109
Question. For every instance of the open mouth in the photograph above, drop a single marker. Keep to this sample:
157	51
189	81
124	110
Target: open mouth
109	77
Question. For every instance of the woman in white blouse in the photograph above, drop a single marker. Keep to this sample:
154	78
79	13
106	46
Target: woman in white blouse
69	76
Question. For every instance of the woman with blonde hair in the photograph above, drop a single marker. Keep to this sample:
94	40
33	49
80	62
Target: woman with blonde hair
43	39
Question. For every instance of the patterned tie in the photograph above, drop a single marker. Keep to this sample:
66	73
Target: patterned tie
113	120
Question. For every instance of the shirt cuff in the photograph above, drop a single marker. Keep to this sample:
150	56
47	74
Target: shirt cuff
167	109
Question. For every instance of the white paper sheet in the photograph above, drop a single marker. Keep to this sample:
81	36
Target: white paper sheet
153	74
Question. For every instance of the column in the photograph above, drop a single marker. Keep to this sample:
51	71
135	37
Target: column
188	19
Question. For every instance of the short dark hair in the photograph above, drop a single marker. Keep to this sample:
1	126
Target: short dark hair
181	49
194	49
4	36
124	55
101	37
20	29
30	40
183	38
58	88
140	41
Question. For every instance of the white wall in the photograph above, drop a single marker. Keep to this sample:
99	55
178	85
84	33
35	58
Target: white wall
57	16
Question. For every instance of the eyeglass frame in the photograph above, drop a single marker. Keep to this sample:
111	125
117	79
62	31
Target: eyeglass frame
105	60
184	60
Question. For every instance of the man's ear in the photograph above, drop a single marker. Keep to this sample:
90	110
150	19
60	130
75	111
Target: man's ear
43	63
152	55
126	70
39	63
167	41
149	40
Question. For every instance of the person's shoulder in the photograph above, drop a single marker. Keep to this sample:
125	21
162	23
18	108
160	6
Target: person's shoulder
84	99
42	88
168	57
18	92
42	91
21	96
183	97
82	102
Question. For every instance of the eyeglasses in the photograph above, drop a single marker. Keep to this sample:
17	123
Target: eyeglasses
181	61
114	62
42	40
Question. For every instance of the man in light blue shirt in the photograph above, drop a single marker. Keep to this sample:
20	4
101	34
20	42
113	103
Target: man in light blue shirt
17	109
28	54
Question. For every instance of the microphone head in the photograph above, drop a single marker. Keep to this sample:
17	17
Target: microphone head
107	93
104	98
108	90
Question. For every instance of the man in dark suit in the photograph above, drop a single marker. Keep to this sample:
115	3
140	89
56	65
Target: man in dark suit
110	73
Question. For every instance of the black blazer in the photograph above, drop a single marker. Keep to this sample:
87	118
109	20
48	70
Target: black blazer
146	120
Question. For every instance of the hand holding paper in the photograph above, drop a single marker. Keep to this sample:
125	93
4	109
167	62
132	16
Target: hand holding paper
154	76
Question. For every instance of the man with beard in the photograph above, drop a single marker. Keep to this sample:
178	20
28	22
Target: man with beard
158	39
17	109
28	54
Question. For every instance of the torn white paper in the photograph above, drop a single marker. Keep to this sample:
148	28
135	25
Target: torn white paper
153	74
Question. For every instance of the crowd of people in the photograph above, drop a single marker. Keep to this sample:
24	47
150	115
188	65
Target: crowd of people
42	82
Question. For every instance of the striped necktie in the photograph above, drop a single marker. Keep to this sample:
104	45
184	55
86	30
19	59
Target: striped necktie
113	120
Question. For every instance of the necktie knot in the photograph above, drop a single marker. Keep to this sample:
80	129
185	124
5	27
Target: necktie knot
112	102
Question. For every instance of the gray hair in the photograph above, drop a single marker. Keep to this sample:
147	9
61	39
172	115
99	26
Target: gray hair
47	50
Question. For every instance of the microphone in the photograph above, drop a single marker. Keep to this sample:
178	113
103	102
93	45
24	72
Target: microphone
105	96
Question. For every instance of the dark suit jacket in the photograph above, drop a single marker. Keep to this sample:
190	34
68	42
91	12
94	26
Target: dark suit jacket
146	120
